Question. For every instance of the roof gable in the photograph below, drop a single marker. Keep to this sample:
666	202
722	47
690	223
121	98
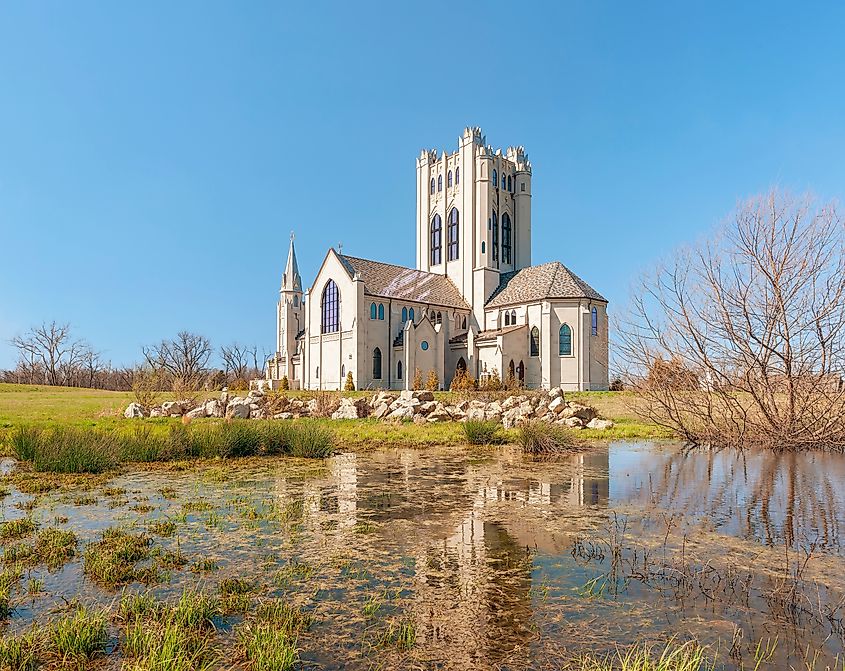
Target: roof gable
549	280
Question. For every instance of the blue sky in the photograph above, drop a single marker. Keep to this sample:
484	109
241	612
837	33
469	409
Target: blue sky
155	156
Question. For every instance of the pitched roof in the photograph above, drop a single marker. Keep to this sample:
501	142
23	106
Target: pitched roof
391	281
495	333
549	280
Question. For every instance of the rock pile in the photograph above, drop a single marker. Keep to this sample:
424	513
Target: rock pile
419	407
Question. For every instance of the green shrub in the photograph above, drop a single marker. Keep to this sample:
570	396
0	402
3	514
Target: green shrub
25	441
238	439
66	449
538	437
481	431
275	437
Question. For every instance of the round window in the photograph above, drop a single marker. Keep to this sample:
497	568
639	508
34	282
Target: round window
424	345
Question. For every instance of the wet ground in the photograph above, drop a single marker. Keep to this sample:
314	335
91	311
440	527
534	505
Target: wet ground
494	560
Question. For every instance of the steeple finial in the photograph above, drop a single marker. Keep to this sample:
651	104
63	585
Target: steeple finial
291	281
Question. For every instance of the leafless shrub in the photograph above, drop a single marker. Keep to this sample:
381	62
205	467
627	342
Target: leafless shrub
739	341
146	386
184	357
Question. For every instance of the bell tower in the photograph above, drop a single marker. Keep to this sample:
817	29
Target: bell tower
290	313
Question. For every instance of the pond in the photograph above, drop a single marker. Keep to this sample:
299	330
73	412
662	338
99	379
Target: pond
494	560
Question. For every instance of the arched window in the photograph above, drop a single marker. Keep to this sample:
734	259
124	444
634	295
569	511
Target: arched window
453	234
507	318
464	323
482	246
509	183
495	177
436	240
330	322
372	310
398	370
504	183
440	182
449	179
317	373
595	321
511	373
565	340
513	316
295	301
342	371
381	311
495	240
506	238
520	373
439	318
432	186
535	342
377	364
404	315
458	175
411	315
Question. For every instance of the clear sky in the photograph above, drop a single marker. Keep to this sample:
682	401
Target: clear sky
155	156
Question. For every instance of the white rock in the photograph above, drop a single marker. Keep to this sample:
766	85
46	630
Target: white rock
600	424
381	410
134	411
196	413
155	412
557	405
555	392
574	423
401	413
171	408
238	408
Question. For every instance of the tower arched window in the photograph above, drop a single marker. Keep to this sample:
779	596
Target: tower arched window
399	370
595	321
449	179
506	238
404	315
513	317
464	323
330	322
507	318
495	177
436	240
440	182
439	318
377	364
458	175
411	315
509	183
381	311
504	182
372	310
453	234
535	342
495	240
565	340
432	186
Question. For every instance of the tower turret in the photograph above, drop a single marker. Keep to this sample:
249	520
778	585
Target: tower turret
289	314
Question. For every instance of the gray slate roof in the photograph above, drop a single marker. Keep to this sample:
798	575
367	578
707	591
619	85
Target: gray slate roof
391	281
549	280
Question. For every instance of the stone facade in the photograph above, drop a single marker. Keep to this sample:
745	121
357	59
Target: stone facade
474	301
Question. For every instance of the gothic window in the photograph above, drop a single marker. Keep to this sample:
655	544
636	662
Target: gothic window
436	240
411	315
507	318
342	371
504	182
453	234
295	301
439	319
398	370
377	364
317	373
482	246
522	186
595	321
535	342
440	182
330	322
495	240
506	238
457	175
381	311
464	323
432	186
565	340
513	317
404	315
433	316
520	373
510	184
495	177
372	310
449	179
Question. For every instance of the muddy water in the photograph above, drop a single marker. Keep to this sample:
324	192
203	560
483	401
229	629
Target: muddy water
498	561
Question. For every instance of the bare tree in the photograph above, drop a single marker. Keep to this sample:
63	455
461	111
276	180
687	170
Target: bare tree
184	357
236	360
50	349
756	317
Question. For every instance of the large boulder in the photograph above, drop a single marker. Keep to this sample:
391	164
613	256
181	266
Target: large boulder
134	411
574	422
427	407
401	413
600	424
381	410
557	404
238	408
555	392
583	412
476	414
439	414
196	413
214	408
171	409
346	410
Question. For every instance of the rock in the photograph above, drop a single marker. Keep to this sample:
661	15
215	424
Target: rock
427	407
346	410
155	412
463	406
542	411
475	414
600	424
424	396
494	408
381	411
401	413
238	408
510	418
555	392
509	403
582	412
171	409
420	419
214	408
283	415
134	411
196	413
439	414
476	405
456	413
557	405
493	415
574	423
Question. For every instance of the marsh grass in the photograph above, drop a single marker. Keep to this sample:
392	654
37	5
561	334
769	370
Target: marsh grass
401	634
541	438
66	449
111	561
81	635
17	529
19	653
482	432
689	656
268	642
55	546
166	528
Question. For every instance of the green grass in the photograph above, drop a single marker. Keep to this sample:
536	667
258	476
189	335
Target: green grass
16	529
539	437
19	653
111	560
673	657
482	432
55	546
269	641
81	635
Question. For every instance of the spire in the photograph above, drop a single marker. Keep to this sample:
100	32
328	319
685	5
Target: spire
291	281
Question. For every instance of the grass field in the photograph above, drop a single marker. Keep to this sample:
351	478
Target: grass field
43	405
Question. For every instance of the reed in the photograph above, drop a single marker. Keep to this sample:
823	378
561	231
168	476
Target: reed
481	432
